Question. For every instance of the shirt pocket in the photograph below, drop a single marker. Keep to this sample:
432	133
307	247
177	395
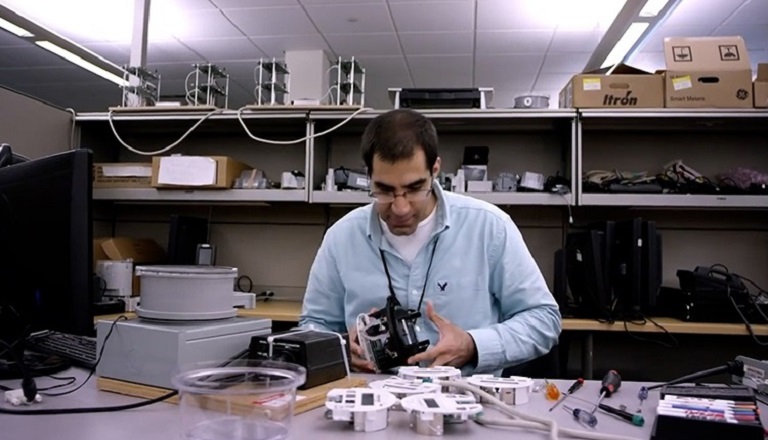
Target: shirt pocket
465	301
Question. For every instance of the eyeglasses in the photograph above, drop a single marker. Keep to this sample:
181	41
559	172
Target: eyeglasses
411	195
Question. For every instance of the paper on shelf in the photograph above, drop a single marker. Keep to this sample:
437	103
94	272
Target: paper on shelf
126	171
187	170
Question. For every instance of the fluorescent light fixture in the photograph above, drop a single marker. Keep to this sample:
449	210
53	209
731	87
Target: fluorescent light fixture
626	42
16	30
652	8
74	59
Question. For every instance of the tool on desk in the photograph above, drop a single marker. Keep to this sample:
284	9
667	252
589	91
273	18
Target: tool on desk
582	416
735	368
573	388
610	384
551	392
635	419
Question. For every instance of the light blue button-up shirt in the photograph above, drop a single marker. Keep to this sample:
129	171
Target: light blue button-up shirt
483	279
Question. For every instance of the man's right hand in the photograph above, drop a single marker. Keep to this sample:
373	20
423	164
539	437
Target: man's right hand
357	355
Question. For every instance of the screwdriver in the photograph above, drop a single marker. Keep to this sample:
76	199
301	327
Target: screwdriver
576	385
610	384
582	416
635	419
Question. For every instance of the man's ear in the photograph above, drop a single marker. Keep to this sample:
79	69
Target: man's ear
436	167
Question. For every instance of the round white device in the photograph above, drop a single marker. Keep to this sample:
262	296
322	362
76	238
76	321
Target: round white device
367	409
186	293
430	412
514	390
402	388
430	374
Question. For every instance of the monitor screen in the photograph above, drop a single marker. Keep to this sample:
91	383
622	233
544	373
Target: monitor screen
46	248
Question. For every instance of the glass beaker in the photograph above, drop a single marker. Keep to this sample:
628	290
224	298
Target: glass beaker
238	400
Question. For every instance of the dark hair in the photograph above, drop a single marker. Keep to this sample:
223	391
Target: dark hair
395	135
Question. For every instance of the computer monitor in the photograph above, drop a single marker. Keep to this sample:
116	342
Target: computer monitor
184	235
46	250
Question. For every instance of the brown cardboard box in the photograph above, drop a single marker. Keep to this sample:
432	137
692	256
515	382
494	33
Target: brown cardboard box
624	87
707	72
122	175
760	87
209	172
140	250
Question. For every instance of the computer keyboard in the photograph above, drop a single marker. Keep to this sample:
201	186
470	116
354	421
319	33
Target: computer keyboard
80	350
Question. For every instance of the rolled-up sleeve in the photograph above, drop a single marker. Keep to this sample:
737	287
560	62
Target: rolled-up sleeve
323	307
530	321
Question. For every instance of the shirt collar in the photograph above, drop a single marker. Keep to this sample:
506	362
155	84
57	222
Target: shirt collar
443	218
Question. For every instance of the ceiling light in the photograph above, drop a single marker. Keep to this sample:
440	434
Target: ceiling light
652	8
626	42
74	59
16	30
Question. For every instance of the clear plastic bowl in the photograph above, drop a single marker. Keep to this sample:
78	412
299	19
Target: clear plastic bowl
244	400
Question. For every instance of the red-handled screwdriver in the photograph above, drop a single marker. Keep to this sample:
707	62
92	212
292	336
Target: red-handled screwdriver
576	385
610	384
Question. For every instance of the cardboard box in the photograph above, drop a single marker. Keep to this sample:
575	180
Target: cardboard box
122	175
140	250
760	87
707	72
209	172
624	87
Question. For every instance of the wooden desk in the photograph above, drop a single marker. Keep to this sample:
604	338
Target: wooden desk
672	325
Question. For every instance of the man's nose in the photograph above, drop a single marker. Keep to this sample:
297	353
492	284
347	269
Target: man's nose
400	206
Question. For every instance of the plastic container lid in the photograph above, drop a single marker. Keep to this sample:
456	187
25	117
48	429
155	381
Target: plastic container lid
188	271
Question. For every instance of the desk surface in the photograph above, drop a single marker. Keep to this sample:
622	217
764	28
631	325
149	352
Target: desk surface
160	421
289	311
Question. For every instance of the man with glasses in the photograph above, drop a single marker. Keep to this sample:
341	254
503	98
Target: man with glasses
486	304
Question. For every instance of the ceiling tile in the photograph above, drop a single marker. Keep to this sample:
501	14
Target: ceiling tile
89	97
276	46
243	72
551	81
753	12
755	36
513	41
575	41
216	50
437	43
23	75
454	16
441	71
648	61
170	51
570	63
205	24
337	2
115	52
187	5
381	74
495	15
171	71
364	44
351	19
507	71
29	56
271	21
701	13
7	39
226	4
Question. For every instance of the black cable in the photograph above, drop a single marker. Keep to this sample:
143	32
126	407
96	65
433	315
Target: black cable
98	359
28	385
69	381
674	343
44	412
731	367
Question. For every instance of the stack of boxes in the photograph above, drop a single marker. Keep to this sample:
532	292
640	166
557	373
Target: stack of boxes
701	72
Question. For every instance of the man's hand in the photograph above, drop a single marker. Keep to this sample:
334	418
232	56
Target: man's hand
357	356
455	346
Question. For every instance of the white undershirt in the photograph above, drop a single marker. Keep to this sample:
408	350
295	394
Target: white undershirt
410	245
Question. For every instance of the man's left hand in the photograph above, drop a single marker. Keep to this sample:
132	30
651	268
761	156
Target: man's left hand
455	347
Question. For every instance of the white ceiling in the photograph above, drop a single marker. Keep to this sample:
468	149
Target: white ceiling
514	46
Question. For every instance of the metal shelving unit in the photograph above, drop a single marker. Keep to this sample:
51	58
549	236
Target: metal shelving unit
675	200
151	195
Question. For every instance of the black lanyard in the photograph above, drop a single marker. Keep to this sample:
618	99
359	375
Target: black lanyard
426	278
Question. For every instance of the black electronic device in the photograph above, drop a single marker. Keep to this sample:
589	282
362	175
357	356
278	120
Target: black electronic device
421	98
709	294
184	236
475	155
8	157
45	206
585	271
320	353
388	336
628	266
